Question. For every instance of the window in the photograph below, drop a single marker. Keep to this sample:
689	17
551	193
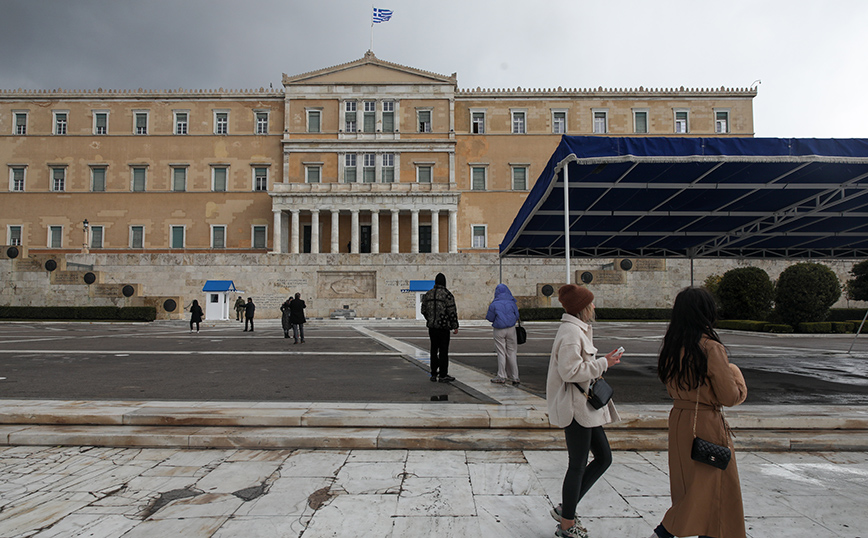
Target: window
15	236
423	173
479	236
388	170
350	116
100	123
141	125
350	168
16	178
519	178
55	237
97	178
179	179
21	123
424	238
218	236
370	117
559	121
262	123
518	122
137	237
477	178
260	237
313	121
388	116
424	117
218	179
601	123
681	122
640	121
139	176
312	173
477	122
260	178
58	179
721	121
96	235
176	237
180	123
369	168
60	123
221	123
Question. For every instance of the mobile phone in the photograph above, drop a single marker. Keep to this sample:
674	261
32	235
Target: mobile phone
620	350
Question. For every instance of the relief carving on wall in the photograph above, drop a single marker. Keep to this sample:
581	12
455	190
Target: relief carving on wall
347	284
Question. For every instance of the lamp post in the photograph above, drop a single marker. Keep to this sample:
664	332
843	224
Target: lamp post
84	249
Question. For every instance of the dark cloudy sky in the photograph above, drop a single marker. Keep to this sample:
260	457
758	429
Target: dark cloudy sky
811	56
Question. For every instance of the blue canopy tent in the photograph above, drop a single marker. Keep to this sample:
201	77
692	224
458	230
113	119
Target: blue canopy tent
697	198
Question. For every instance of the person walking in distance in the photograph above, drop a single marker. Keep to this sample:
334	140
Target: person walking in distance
239	308
503	315
706	500
195	315
249	311
296	317
284	317
441	316
573	364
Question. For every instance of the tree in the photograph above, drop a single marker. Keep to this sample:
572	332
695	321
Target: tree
745	293
805	292
857	289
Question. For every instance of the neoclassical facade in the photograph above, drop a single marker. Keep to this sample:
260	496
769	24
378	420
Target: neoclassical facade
363	157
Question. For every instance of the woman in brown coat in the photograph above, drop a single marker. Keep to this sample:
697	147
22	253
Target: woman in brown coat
706	501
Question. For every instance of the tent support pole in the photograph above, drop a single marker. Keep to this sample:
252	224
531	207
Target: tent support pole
567	219
857	332
500	277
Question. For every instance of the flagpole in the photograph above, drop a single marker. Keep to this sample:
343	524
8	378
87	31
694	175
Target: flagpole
371	48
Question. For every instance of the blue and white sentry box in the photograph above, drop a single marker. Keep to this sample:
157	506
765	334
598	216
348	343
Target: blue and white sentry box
419	287
217	300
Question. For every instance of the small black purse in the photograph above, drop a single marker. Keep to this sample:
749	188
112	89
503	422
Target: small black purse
520	334
707	452
599	393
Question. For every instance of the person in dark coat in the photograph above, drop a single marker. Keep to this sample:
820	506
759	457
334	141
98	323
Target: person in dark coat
195	315
296	317
249	310
239	308
441	315
284	317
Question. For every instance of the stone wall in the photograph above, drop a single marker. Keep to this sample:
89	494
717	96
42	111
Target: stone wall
373	285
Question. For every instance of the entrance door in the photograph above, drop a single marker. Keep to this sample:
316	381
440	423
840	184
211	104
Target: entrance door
306	238
365	239
424	238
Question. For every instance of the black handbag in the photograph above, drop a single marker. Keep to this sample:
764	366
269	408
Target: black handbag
599	393
520	333
707	452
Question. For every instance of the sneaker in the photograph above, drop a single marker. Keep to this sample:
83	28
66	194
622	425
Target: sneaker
576	531
498	380
433	378
446	379
556	512
515	382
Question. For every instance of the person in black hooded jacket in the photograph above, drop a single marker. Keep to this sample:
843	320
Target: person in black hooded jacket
441	315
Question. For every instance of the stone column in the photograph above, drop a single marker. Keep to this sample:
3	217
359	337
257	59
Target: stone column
276	238
453	231
336	216
354	240
435	231
375	231
314	231
395	242
414	231
295	232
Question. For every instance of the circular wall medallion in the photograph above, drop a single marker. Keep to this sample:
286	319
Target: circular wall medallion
548	290
50	265
626	264
170	305
89	278
128	290
12	253
587	277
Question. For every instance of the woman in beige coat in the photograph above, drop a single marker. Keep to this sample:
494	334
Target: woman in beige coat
574	363
706	501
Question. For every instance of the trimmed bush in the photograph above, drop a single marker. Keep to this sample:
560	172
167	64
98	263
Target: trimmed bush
815	327
857	289
745	293
711	284
779	328
555	313
741	325
805	292
846	314
843	327
74	313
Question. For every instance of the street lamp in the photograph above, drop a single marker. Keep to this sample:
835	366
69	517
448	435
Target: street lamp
84	249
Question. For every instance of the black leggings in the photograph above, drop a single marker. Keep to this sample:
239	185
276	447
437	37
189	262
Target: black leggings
580	474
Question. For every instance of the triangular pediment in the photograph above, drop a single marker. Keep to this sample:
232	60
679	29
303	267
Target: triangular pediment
369	70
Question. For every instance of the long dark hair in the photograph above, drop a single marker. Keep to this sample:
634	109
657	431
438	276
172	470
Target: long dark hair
682	359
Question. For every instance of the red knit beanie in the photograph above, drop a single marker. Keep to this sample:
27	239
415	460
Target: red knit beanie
575	298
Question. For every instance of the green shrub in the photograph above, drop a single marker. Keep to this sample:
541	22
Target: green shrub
540	314
711	284
843	327
857	288
745	293
805	292
846	314
780	328
741	325
555	313
815	327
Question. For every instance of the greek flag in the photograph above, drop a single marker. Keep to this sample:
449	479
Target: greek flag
382	15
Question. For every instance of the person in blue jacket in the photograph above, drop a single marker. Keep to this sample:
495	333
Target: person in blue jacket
503	315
